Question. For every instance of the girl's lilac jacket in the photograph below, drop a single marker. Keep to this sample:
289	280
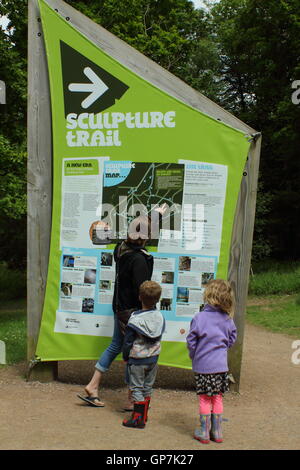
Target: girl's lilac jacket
212	332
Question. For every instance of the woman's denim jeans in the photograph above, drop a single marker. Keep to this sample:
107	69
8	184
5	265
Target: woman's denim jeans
112	350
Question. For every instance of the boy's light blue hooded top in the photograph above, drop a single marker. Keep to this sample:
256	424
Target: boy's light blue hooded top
142	337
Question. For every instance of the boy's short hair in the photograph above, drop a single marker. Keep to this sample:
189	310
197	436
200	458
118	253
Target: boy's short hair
150	293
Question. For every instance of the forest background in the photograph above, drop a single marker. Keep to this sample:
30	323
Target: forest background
242	54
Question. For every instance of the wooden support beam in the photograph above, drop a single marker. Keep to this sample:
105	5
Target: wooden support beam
39	187
240	256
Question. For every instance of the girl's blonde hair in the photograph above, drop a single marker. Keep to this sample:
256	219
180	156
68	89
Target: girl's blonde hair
219	293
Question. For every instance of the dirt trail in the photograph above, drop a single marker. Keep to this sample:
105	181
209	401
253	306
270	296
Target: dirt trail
265	415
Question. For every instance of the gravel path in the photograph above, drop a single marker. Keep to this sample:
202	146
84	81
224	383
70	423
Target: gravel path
264	415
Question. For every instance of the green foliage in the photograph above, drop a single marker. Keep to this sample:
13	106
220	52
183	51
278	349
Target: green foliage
167	31
12	282
275	278
12	183
259	43
275	283
12	203
13	70
262	246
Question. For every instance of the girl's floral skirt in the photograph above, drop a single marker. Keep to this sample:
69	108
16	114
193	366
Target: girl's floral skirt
212	384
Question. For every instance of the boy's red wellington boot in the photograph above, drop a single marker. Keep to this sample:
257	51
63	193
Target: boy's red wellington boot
147	401
137	419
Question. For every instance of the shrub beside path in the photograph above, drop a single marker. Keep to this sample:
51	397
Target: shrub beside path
265	415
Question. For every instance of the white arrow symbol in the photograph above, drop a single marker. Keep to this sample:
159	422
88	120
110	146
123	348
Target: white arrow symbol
96	88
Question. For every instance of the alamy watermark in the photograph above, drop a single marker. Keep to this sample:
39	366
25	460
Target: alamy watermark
296	354
2	92
296	93
161	222
2	353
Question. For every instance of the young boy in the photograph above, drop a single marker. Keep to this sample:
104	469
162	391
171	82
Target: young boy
141	349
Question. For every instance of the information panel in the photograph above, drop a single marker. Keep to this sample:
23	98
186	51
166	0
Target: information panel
122	147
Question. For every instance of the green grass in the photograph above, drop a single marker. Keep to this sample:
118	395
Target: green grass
280	314
275	278
13	329
276	306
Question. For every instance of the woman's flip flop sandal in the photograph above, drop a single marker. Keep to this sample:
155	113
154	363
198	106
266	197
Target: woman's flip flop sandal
91	401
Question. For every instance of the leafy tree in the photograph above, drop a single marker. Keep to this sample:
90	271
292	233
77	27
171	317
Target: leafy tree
13	70
259	45
164	30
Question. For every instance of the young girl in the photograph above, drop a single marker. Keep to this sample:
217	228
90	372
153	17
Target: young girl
212	332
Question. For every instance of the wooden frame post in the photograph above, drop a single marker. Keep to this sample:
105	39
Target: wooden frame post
240	253
39	190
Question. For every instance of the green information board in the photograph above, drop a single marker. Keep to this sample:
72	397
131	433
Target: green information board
119	142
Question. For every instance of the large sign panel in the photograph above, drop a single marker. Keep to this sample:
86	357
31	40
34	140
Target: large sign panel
122	147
